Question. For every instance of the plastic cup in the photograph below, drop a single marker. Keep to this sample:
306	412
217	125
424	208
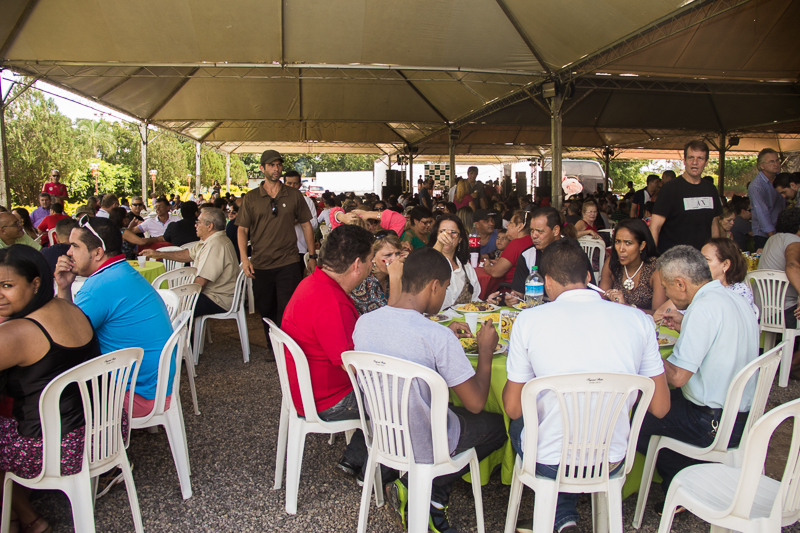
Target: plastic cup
473	259
142	260
472	322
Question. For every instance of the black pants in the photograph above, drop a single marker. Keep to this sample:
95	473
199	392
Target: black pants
759	241
207	306
272	290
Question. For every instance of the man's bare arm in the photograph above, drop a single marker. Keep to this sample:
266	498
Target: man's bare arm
792	255
656	221
183	256
676	376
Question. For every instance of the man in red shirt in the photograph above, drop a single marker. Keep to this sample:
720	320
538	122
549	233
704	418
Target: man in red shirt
321	317
54	187
49	222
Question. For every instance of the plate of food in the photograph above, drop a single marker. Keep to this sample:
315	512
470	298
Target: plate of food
470	346
441	317
522	306
476	307
666	340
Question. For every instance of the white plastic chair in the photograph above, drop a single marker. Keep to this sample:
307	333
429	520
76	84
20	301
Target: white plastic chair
589	246
717	451
590	404
76	285
236	312
324	229
386	383
251	301
176	277
172	418
293	427
51	236
102	382
168	263
189	245
171	300
188	295
743	499
769	292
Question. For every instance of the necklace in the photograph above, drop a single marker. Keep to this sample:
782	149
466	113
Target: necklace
628	284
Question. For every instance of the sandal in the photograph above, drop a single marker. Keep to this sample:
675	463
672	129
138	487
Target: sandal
43	526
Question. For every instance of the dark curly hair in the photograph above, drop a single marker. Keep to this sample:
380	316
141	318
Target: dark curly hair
30	264
462	251
641	233
788	221
345	244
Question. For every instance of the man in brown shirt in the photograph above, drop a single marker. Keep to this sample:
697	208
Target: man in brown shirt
270	212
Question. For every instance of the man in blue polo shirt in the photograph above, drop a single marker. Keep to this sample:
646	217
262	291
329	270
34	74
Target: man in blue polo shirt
123	307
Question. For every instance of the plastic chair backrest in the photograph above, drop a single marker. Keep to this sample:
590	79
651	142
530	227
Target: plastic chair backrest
766	366
171	300
188	294
174	347
386	383
283	344
51	236
102	382
324	229
169	264
769	291
590	404
238	293
589	245
176	277
787	502
190	245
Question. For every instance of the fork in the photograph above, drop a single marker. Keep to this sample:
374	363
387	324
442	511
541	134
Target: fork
658	327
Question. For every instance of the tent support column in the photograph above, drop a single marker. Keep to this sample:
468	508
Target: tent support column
723	147
607	153
555	152
411	171
454	135
197	169
5	190
227	173
143	135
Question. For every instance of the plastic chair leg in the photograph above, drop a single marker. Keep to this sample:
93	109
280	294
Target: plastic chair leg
647	479
613	508
513	504
251	301
544	512
366	491
332	439
133	500
786	357
294	463
349	435
189	364
180	453
419	500
475	474
5	519
199	328
599	512
241	321
719	529
280	455
79	492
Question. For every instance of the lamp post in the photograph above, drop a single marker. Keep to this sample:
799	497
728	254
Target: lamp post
95	172
153	173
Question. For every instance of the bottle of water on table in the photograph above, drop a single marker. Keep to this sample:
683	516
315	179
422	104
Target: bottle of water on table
534	288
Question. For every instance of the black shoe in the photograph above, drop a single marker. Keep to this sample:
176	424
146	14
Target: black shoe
438	522
349	469
572	528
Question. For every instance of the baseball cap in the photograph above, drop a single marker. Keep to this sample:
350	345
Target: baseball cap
270	156
482	214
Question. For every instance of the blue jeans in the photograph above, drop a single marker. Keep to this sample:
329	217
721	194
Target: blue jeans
687	424
567	503
347	409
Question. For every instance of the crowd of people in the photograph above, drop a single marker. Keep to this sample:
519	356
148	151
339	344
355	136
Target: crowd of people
344	272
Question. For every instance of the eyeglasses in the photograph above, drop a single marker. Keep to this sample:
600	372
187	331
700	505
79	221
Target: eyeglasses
84	223
14	225
379	208
274	208
137	205
452	232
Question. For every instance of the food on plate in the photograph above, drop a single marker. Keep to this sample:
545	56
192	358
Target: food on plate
470	345
438	318
494	317
664	341
522	305
476	307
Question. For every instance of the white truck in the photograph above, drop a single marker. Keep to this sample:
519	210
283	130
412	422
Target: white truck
359	182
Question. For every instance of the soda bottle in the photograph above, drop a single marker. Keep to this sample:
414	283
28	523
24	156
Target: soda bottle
534	288
474	241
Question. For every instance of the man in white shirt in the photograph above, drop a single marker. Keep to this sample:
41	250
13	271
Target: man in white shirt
109	202
292	179
158	224
538	348
719	337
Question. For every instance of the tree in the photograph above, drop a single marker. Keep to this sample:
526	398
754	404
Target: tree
117	179
39	138
96	137
624	170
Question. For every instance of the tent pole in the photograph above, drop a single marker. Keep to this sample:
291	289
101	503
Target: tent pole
453	138
5	190
227	173
721	173
411	171
607	165
555	153
197	168
143	137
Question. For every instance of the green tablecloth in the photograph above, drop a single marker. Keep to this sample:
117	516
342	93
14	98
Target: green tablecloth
504	457
151	270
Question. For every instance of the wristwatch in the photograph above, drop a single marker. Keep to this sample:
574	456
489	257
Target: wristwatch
312	256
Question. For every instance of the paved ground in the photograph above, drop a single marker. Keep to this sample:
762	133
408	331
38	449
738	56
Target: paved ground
232	453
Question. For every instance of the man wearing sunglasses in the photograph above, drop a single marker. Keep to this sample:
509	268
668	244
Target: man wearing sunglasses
54	187
125	310
137	206
158	224
267	218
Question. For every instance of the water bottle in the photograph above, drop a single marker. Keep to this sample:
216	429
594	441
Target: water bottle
534	288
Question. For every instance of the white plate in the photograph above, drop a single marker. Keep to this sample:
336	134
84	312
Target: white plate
672	340
449	313
492	309
501	348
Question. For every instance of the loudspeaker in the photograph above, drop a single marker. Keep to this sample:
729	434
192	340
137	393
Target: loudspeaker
545	177
522	185
394	178
387	191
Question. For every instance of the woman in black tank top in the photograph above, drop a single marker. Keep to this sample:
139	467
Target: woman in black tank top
43	336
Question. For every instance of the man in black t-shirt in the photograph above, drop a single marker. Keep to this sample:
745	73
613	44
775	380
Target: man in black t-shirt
686	207
643	196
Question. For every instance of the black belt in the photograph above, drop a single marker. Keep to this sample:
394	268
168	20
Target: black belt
717	413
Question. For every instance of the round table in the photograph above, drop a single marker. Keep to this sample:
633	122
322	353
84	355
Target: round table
151	270
488	283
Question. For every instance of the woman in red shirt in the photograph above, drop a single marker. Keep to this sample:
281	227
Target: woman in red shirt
519	235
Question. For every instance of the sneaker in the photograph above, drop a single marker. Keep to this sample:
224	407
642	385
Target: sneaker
397	498
525	525
438	522
108	480
347	468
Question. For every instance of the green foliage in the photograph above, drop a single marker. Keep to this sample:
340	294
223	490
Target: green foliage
39	138
96	137
624	170
309	164
117	179
738	173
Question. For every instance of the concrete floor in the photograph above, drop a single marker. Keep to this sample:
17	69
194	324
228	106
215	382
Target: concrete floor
232	452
